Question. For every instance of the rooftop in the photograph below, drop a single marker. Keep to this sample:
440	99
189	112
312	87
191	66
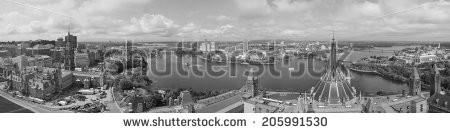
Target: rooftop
87	74
441	100
215	107
272	106
393	103
65	73
333	88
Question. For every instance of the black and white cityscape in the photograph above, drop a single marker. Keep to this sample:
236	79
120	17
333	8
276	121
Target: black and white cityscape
224	56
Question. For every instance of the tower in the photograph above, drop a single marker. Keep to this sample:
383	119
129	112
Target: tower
128	49
245	46
436	81
334	87
415	83
69	54
333	56
252	84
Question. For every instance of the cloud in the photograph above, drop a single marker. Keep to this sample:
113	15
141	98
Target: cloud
219	30
293	33
221	18
152	24
251	9
117	7
11	16
258	19
34	27
8	30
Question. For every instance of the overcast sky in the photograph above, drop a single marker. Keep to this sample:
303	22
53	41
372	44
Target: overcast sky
174	20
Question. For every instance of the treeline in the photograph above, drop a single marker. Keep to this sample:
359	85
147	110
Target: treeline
398	73
402	73
132	81
190	52
196	94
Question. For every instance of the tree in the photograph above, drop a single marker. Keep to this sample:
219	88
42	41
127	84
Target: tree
393	58
446	83
112	52
125	84
120	67
150	101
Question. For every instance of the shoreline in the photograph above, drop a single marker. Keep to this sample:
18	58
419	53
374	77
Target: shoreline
30	106
12	100
6	106
364	71
375	72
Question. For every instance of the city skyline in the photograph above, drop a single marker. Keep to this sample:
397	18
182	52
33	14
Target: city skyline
157	20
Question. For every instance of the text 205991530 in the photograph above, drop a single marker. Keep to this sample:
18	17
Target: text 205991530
294	121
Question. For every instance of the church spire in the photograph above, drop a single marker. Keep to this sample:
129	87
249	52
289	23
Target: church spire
416	73
333	55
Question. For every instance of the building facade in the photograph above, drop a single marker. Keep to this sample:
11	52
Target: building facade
252	84
69	54
81	60
415	83
440	99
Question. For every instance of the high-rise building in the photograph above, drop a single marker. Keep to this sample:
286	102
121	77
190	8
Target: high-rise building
129	47
203	47
213	46
69	54
128	50
245	46
194	46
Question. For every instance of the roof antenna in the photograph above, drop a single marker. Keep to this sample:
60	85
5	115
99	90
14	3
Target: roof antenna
334	28
68	30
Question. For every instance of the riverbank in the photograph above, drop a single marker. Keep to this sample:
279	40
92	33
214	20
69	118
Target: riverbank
365	71
7	106
391	75
34	107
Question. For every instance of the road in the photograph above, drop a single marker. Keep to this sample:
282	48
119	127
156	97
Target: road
30	106
111	103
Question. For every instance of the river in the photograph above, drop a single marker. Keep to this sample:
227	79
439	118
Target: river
286	80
